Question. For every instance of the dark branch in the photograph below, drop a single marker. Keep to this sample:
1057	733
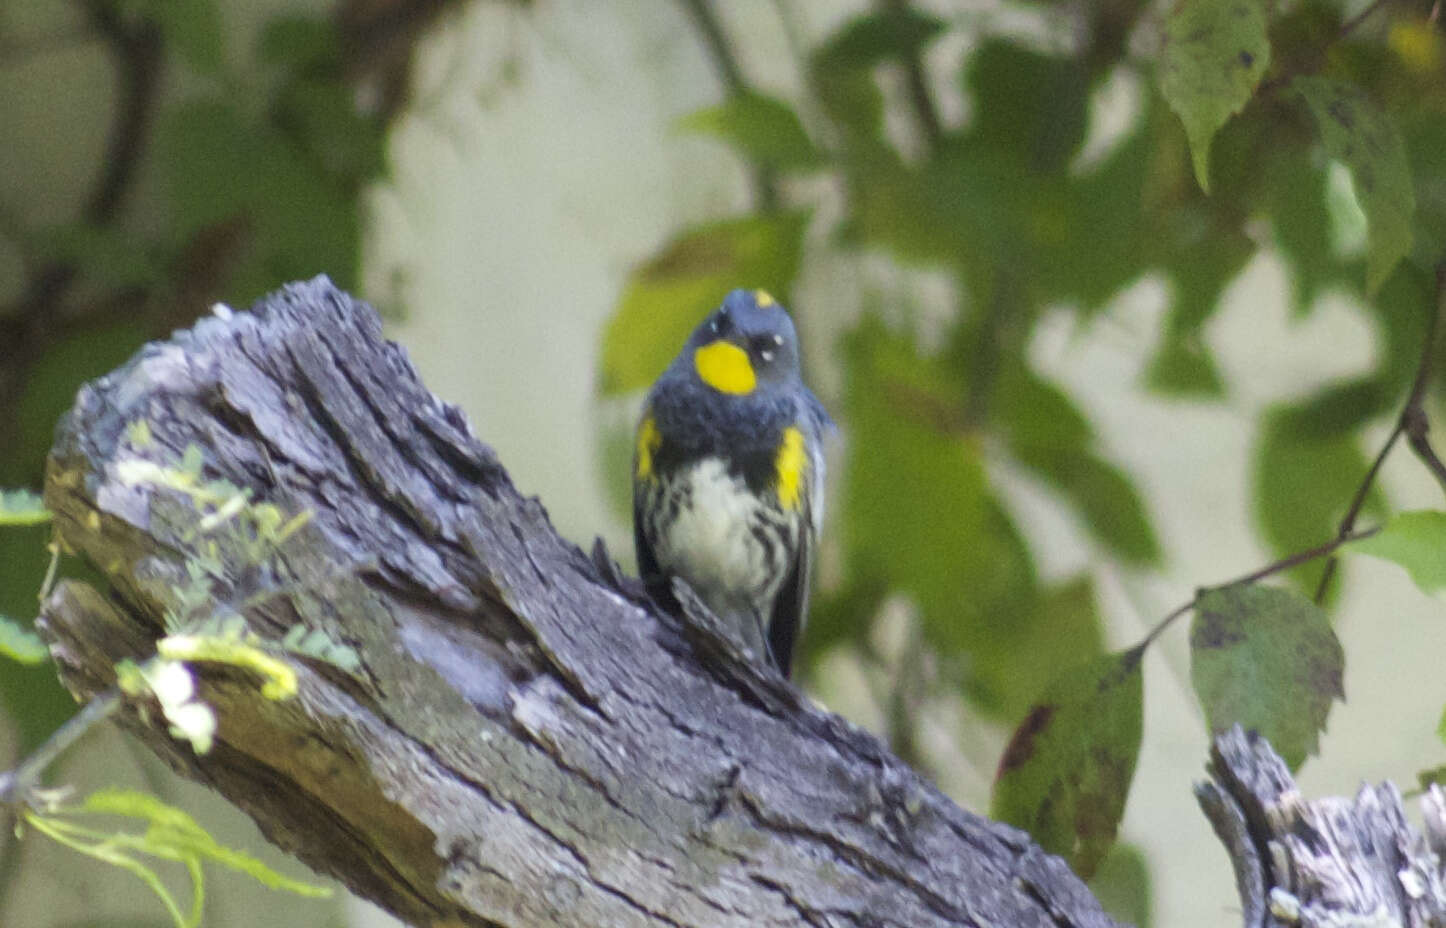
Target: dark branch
1412	423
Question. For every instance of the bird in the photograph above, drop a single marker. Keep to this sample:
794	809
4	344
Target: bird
728	475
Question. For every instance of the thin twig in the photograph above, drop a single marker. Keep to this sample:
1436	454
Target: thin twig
1412	423
1274	567
16	785
765	184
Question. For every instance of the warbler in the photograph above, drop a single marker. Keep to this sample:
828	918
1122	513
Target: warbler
728	474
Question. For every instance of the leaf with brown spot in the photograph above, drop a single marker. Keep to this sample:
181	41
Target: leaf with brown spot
1066	773
1266	658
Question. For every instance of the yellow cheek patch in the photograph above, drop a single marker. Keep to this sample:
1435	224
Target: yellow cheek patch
649	440
791	464
725	367
763	298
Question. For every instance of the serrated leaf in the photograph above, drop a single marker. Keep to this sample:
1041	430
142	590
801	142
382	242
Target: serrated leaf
670	294
764	130
1066	773
1215	53
1415	541
1355	131
20	644
22	507
1267	659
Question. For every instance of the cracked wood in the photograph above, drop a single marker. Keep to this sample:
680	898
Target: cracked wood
526	741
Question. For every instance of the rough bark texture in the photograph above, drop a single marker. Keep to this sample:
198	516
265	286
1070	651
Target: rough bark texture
1324	863
525	741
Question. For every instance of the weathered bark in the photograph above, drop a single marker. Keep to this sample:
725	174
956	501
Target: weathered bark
1324	863
526	742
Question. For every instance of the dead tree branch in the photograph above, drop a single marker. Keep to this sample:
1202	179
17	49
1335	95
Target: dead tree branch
525	741
1324	862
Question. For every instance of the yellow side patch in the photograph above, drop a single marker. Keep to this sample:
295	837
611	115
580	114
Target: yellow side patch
649	440
791	464
725	367
763	298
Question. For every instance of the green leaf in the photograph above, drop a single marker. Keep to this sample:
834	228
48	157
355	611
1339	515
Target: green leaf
1360	135
868	40
1296	190
919	515
22	507
842	68
1266	658
1106	499
1122	885
1303	482
1066	773
21	644
192	27
1056	631
231	177
109	256
1182	366
1032	105
670	294
1415	541
1215	53
763	129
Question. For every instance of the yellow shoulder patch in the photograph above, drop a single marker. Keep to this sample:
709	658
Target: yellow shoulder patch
791	465
725	367
649	440
763	298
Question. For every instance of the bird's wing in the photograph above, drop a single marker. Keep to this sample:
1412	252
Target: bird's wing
790	606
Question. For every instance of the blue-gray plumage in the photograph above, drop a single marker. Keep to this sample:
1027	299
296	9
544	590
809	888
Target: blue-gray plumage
728	474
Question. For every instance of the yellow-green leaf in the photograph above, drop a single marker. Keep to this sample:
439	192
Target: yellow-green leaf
1415	541
21	644
1215	53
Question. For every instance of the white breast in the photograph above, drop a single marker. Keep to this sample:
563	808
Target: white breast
711	543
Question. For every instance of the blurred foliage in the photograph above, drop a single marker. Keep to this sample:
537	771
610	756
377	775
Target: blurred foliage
253	157
1246	115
